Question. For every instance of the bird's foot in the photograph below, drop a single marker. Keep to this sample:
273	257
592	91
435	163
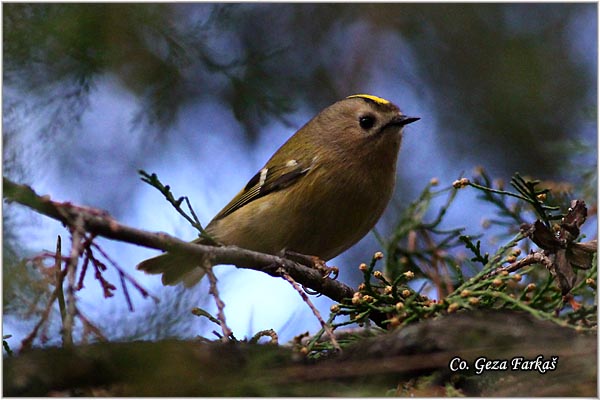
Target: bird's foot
313	262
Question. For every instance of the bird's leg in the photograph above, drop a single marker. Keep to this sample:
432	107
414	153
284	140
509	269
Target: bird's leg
312	262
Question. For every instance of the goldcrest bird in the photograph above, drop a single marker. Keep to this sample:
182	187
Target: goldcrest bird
319	194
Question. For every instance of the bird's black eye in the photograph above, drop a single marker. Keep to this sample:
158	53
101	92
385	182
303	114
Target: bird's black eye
366	121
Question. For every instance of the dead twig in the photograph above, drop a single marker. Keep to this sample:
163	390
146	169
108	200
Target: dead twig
59	281
88	328
76	250
125	277
537	257
27	342
326	327
267	332
214	291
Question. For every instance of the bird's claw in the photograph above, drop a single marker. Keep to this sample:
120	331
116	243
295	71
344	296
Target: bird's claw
313	262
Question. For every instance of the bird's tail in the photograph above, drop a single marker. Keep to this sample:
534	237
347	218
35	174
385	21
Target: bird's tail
175	268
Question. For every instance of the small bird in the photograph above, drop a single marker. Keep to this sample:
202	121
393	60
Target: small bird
319	194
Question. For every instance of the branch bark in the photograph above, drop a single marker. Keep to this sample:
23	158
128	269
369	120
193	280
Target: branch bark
100	223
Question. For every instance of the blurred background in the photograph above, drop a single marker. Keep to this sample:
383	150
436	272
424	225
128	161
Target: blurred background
203	94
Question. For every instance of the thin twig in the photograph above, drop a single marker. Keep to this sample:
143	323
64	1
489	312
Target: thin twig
88	326
267	332
84	267
153	181
497	191
534	258
316	312
99	266
26	343
76	236
60	295
197	223
214	291
126	293
124	275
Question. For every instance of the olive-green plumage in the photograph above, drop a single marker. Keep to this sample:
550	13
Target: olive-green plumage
319	194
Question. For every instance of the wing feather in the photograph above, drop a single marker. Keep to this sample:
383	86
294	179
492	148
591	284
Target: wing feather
267	180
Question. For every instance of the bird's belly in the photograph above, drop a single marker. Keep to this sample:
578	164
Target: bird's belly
324	227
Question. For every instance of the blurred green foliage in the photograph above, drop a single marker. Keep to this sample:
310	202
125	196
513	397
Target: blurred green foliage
500	76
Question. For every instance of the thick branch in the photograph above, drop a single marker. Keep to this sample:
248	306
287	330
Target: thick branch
101	223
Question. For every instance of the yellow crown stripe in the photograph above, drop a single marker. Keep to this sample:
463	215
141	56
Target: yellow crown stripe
376	99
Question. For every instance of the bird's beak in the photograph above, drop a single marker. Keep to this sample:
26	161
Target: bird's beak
402	120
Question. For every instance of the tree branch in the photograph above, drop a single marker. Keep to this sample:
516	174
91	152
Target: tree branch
100	223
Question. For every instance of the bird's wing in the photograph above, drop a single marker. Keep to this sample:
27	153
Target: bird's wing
269	179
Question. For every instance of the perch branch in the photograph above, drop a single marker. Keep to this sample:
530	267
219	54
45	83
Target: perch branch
100	223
